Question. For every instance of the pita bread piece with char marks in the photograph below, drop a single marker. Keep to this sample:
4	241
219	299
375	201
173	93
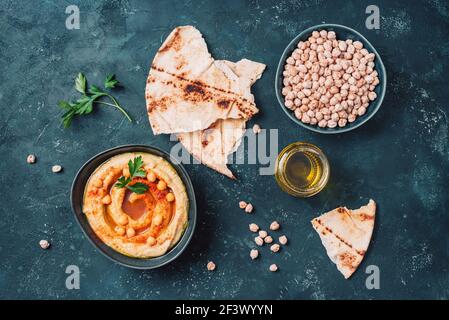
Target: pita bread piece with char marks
186	91
346	235
213	145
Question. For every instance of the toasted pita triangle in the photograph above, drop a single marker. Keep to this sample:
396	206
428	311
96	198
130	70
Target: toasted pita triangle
213	145
346	235
186	88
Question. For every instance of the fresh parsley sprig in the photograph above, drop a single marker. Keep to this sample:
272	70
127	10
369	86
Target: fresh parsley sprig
84	105
110	81
138	188
135	171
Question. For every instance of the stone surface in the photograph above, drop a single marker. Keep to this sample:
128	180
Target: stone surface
400	158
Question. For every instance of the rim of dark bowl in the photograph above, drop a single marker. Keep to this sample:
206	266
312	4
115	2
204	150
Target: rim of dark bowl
111	254
360	120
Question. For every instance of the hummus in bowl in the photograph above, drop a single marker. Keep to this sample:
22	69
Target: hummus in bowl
136	205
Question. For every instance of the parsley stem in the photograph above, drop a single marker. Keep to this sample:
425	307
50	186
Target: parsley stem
106	103
116	105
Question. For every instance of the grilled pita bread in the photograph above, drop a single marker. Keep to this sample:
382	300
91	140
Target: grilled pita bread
213	145
187	90
346	235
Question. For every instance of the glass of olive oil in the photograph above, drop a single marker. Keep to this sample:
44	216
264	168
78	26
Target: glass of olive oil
302	169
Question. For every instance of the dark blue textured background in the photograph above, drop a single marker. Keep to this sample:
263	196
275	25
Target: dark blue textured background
400	158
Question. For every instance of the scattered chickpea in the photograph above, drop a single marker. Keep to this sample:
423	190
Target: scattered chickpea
211	266
254	253
253	227
268	239
56	169
44	244
263	234
31	159
161	185
249	208
258	241
256	129
170	197
242	204
274	226
273	268
283	240
275	247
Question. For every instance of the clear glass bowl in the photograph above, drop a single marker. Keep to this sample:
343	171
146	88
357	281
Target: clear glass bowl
302	169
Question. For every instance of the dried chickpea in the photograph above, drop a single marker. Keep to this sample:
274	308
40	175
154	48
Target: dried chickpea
329	82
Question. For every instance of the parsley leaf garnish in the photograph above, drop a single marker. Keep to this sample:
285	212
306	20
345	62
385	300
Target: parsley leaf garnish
122	182
135	167
135	171
138	188
85	104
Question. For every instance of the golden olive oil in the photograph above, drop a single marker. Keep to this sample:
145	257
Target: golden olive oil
302	169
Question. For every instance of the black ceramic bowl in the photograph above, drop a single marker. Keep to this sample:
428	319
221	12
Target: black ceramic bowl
79	184
343	33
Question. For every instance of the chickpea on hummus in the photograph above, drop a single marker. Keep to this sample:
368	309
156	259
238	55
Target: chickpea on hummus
137	204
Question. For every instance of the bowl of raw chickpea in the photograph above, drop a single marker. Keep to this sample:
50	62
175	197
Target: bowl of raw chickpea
330	79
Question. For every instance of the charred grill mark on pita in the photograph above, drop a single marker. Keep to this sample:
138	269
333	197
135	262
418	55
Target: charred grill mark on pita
194	88
203	85
365	216
346	235
151	79
158	104
224	104
197	91
175	42
329	230
180	63
347	260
